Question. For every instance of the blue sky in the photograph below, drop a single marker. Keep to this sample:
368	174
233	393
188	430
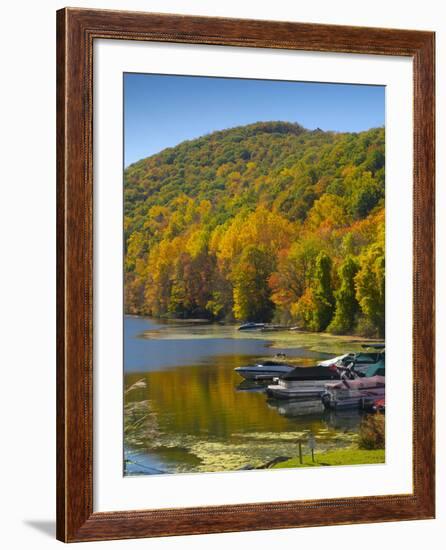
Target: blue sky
161	111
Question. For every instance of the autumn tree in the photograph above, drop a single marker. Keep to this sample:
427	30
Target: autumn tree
303	310
294	273
252	295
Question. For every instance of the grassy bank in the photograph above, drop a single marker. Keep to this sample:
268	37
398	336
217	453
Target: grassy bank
339	457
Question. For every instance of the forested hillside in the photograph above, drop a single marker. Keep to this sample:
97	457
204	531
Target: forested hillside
262	222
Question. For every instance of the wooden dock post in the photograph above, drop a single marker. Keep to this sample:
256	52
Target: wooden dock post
312	445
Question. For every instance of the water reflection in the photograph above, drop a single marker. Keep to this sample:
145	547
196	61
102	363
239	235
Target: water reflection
299	408
342	420
251	385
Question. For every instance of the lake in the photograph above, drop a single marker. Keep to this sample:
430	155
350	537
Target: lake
186	410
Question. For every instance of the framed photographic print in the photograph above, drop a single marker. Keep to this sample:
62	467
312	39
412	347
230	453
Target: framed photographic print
245	234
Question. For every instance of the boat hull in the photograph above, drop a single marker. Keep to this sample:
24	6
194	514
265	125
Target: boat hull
262	373
352	399
297	389
252	326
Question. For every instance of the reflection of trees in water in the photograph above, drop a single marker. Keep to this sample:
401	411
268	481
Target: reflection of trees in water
203	401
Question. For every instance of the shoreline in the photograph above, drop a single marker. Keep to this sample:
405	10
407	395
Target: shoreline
354	338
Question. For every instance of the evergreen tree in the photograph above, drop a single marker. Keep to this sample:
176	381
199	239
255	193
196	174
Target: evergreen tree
346	306
370	289
323	293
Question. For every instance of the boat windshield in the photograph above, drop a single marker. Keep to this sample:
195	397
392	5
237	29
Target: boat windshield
364	357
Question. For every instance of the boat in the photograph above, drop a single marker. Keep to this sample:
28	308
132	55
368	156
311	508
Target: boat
361	358
334	360
266	370
303	382
252	326
361	361
305	389
269	328
310	382
375	369
358	393
364	360
357	384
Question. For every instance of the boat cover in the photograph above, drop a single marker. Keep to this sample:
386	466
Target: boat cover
312	373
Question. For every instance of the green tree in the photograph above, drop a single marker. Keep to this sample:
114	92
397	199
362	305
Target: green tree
178	302
366	195
370	288
323	293
346	306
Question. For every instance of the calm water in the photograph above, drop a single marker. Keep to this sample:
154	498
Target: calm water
186	410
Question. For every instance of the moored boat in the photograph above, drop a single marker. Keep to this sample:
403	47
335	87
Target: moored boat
357	384
334	360
251	326
361	360
266	370
303	382
311	382
359	393
306	389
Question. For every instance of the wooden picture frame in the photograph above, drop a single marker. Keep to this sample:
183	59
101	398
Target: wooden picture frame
76	31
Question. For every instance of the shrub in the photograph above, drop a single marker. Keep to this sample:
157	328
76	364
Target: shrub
372	433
